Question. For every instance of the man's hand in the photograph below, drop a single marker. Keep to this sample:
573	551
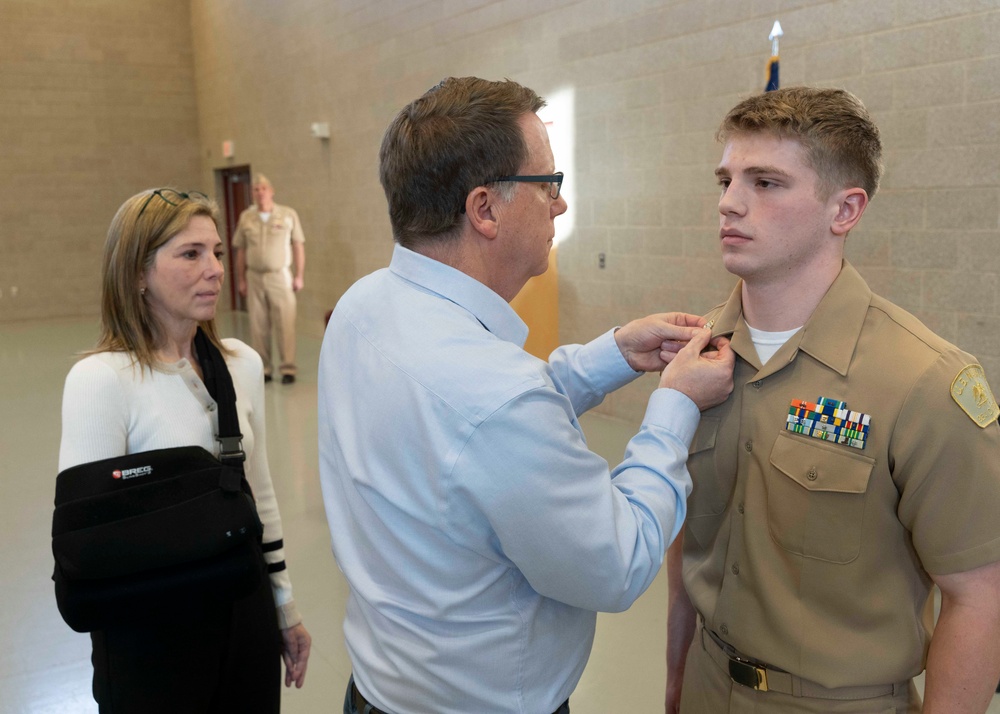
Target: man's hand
298	283
704	376
241	271
650	343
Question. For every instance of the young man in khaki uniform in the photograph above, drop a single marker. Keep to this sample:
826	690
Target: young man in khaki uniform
854	466
270	269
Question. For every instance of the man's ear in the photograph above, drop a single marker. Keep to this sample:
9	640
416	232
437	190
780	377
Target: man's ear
851	204
480	208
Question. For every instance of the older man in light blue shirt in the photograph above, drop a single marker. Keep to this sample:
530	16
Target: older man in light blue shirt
478	533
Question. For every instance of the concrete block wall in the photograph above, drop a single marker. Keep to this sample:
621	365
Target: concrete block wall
650	81
96	104
102	98
927	72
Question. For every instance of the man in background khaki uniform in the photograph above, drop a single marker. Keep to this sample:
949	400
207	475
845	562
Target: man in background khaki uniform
854	466
270	269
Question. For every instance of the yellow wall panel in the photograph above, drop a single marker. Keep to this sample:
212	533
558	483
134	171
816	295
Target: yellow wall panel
538	306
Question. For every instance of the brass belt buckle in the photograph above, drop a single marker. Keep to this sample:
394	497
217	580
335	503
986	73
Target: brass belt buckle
742	672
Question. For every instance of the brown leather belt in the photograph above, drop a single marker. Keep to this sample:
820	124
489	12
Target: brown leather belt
764	678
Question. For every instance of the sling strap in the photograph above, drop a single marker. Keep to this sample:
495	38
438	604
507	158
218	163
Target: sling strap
219	384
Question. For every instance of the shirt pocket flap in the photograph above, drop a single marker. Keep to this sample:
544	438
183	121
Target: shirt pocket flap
821	467
704	436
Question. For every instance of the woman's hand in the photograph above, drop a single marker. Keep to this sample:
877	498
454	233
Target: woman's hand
295	647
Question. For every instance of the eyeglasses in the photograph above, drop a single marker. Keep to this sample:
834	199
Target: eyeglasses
164	192
553	180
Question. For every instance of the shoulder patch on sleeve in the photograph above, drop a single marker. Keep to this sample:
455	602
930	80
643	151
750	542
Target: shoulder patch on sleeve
971	392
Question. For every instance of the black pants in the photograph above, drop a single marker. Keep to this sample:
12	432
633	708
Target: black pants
226	658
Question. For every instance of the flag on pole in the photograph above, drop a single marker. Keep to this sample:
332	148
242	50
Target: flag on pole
772	74
773	65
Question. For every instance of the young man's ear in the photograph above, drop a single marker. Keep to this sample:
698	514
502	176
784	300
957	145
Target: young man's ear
480	207
851	205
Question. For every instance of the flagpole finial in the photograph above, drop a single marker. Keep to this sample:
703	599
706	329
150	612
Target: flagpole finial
776	32
772	66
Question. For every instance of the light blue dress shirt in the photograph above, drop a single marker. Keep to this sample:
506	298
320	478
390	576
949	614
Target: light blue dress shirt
478	533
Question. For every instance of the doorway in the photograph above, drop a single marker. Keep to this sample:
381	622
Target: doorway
237	196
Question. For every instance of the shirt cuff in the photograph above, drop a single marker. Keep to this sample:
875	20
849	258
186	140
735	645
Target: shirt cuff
673	411
288	615
602	359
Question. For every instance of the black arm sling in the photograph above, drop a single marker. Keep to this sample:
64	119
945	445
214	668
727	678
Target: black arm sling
161	533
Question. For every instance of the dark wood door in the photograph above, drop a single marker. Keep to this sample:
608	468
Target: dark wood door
236	196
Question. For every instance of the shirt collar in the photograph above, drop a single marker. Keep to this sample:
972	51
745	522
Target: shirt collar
492	311
831	333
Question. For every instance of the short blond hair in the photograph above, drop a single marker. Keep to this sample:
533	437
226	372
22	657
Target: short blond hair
840	137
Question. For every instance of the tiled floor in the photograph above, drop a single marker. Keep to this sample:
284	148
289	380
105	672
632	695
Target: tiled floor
45	667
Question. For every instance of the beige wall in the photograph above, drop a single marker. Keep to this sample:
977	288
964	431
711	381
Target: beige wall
96	103
101	107
650	80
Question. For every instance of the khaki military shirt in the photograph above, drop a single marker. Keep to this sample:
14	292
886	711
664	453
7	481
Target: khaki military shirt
268	245
813	556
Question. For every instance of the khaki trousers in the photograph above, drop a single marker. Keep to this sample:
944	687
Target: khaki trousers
271	305
707	689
